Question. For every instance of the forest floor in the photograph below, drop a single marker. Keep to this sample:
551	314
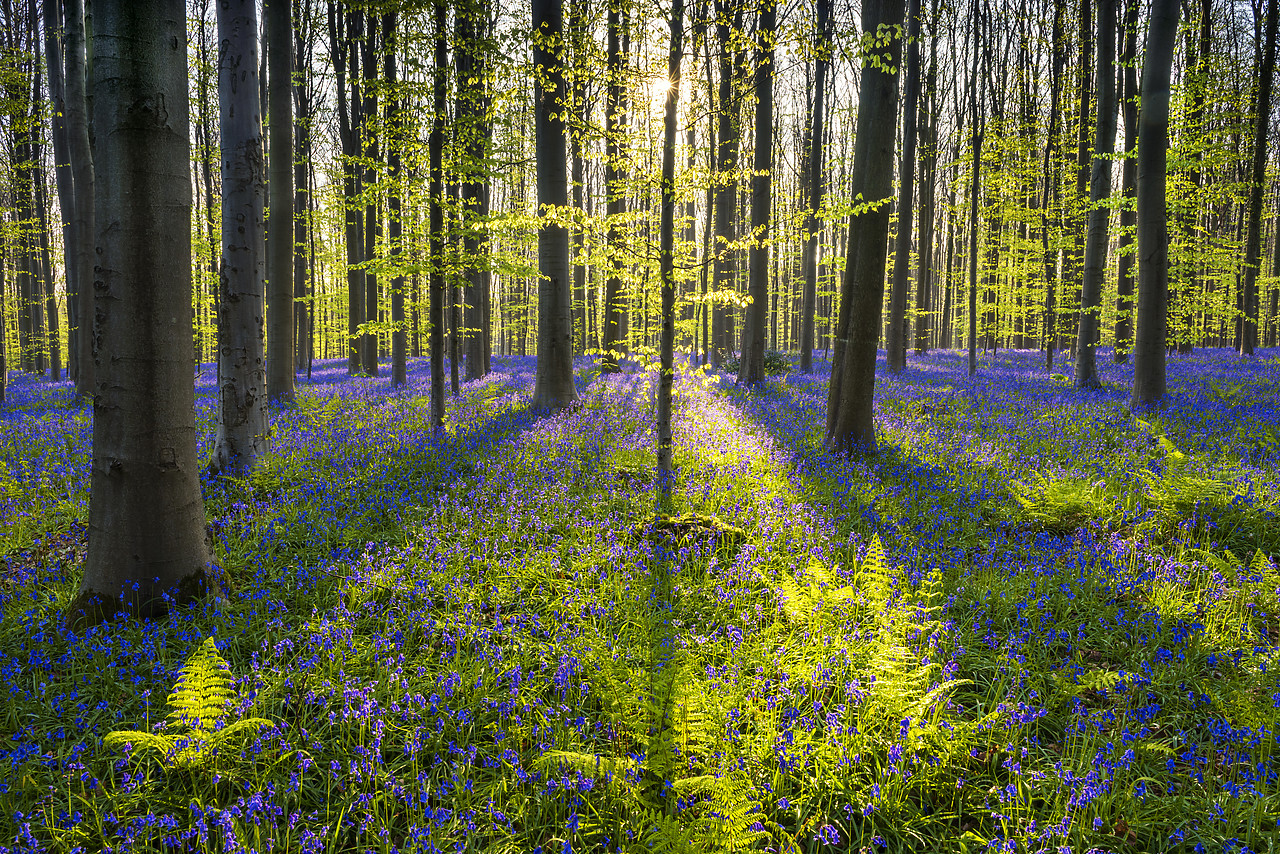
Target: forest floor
1032	623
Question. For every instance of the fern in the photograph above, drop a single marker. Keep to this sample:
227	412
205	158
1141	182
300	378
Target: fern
196	727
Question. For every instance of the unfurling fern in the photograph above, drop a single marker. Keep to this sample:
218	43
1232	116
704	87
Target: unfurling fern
196	727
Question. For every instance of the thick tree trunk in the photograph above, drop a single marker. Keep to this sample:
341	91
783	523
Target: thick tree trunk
1095	252
896	334
666	250
279	37
751	362
1253	239
1128	74
553	382
146	516
852	430
242	382
1153	226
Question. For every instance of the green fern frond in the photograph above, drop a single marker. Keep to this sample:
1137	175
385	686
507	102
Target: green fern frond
203	695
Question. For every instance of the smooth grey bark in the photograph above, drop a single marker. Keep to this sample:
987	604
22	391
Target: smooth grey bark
436	284
1258	175
1077	227
369	350
1096	241
896	333
553	388
472	123
81	214
1050	193
242	379
1153	225
614	184
146	548
751	362
815	186
851	429
666	252
928	189
395	239
63	177
1128	74
729	15
279	38
977	92
341	43
302	171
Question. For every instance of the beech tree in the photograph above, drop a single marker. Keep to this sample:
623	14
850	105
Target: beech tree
242	380
1257	177
896	332
1153	226
146	548
1095	252
279	39
850	428
751	361
666	249
815	184
553	384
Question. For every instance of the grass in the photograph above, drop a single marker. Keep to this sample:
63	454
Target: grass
1033	623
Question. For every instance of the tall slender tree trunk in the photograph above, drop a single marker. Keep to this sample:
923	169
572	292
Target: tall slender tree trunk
1095	253
666	252
303	308
1253	239
279	33
553	382
399	341
372	220
1153	226
851	429
146	516
242	381
472	124
615	178
896	337
815	185
977	92
435	146
751	363
63	179
928	189
1128	74
1077	216
81	213
729	15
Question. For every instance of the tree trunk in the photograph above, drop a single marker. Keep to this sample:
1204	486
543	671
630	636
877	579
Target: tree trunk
1253	239
63	178
301	189
1095	253
279	37
242	382
666	249
372	221
851	428
553	383
1128	178
146	516
472	125
81	213
614	184
399	342
728	143
1076	216
435	146
1153	226
928	189
977	93
814	184
751	362
896	337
